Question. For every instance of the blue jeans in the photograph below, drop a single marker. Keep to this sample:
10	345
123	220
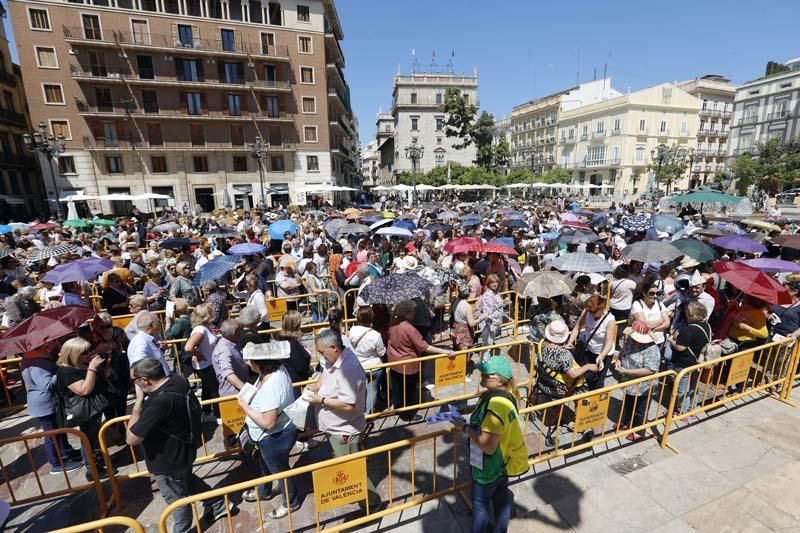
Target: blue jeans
484	496
316	316
686	388
47	423
373	385
275	450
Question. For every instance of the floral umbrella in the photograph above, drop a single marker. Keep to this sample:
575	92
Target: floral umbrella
395	288
544	284
636	223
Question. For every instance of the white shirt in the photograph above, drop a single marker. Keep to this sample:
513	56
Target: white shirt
598	340
141	347
132	328
622	294
367	345
275	392
206	347
652	316
256	299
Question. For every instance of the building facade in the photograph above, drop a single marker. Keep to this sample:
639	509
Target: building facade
608	144
766	108
22	194
715	96
417	118
168	97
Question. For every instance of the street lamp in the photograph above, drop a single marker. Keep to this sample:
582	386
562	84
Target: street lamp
259	151
414	152
50	146
691	163
660	158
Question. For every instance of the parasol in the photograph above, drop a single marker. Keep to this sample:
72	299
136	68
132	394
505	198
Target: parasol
438	226
80	270
332	226
353	266
651	252
752	281
695	249
667	223
247	248
636	223
353	229
405	224
461	245
177	243
40	254
279	227
380	223
102	222
769	264
75	223
761	225
41	226
706	197
544	284
577	236
167	227
788	241
739	243
215	269
395	288
489	248
580	262
394	231
42	328
447	215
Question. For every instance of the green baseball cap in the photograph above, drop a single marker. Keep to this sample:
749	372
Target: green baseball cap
497	364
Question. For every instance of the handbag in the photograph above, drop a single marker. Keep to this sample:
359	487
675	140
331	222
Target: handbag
73	409
582	346
299	412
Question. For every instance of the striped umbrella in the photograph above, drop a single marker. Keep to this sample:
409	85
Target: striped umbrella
215	269
40	254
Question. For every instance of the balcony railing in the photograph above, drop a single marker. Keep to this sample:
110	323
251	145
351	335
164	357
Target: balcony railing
597	163
584	136
211	114
750	119
113	76
116	144
154	40
569	140
616	132
778	115
643	131
599	133
716	112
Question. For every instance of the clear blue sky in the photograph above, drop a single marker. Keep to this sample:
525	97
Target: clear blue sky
528	48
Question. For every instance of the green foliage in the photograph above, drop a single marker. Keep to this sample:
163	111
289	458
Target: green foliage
502	154
519	175
775	164
482	133
669	164
744	169
557	175
774	67
460	117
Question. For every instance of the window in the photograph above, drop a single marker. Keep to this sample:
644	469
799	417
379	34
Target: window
110	134
276	163
231	72
439	157
97	64
91	27
616	124
310	134
304	44
113	164
439	98
185	35
240	163
60	127
53	94
193	103
268	43
46	57
197	134
303	14
103	99
40	19
705	105
585	131
160	203
270	73
237	135
640	154
189	69
642	125
596	155
307	75
571	133
150	101
309	104
439	124
414	124
228	40
663	127
274	12
684	128
158	163
273	105
200	163
234	105
66	164
312	163
154	134
601	126
413	98
140	31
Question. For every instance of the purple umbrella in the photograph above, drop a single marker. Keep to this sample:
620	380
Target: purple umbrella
80	270
739	244
768	264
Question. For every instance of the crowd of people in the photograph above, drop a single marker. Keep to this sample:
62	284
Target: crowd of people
626	321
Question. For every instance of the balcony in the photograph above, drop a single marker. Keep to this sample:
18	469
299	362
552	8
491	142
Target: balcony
584	136
778	115
101	145
117	110
597	134
332	44
119	76
643	131
419	101
15	160
13	118
616	132
716	113
750	119
663	133
569	140
159	43
598	163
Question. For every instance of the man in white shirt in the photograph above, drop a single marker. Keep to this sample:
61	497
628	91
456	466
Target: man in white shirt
143	345
138	307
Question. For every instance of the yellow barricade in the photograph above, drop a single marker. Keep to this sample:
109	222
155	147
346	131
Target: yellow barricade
350	471
69	486
711	384
114	521
12	368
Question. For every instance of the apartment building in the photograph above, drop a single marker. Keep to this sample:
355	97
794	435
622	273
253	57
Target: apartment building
715	95
534	124
22	194
417	118
169	96
608	144
766	108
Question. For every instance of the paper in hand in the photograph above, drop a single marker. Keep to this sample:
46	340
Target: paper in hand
247	393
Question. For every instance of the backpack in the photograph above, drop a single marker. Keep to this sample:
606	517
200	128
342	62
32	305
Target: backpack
712	350
195	420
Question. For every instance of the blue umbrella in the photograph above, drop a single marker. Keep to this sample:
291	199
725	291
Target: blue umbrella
80	270
551	236
370	219
279	227
215	269
405	224
5	228
503	241
247	248
667	223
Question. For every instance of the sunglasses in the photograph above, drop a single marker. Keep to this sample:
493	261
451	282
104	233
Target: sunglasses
652	293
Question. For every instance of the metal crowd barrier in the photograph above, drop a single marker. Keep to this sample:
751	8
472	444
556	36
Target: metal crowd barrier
12	369
69	485
99	525
343	480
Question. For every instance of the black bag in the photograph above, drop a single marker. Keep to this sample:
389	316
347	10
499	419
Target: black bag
340	278
73	409
582	347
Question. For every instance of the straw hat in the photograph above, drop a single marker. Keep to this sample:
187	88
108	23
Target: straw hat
640	332
557	332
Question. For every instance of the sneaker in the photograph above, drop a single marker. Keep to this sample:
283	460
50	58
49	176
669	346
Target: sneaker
73	455
281	511
251	496
69	466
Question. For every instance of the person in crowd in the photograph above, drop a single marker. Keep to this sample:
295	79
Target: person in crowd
143	345
200	346
687	344
490	305
267	424
73	294
299	362
317	291
748	325
340	395
289	282
405	342
254	297
115	295
165	421
463	319
137	305
111	343
83	377
542	314
181	286
214	296
367	345
648	309
229	365
154	290
597	332
638	358
39	371
500	451
622	287
249	320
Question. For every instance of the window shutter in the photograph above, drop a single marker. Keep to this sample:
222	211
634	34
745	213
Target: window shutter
203	104
184	102
243	100
97	130
179	72
200	74
175	34
121	133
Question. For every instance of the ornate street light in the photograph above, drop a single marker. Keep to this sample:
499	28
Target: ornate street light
50	146
414	152
259	150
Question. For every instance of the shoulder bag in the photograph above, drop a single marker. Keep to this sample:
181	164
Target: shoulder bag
582	346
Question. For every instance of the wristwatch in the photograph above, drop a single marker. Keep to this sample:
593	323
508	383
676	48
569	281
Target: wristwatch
322	401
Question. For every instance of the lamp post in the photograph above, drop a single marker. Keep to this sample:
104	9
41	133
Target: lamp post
259	152
659	159
691	163
50	146
414	152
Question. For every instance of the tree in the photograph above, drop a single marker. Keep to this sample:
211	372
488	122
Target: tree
482	134
502	154
669	164
743	170
460	117
775	164
519	175
557	175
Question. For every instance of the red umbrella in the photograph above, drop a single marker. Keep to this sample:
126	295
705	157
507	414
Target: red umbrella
752	281
462	245
575	224
491	248
42	328
42	226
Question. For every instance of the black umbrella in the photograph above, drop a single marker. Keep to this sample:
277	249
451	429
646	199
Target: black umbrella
514	223
177	243
577	236
438	226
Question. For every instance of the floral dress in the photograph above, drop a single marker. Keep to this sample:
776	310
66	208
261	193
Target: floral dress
491	306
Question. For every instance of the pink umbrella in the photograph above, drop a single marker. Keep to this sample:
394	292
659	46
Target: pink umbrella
569	217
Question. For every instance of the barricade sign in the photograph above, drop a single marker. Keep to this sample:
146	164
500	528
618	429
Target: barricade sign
740	369
591	412
232	417
451	370
276	309
340	484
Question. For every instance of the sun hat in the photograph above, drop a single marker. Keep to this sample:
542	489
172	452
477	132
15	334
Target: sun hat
556	332
640	332
410	262
267	351
497	364
697	279
688	262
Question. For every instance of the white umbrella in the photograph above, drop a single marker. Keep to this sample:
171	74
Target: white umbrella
402	187
394	231
381	188
380	223
72	211
152	196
